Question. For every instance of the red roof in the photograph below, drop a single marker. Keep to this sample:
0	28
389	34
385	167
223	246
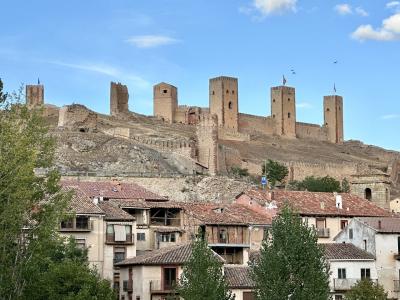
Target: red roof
112	190
318	204
383	225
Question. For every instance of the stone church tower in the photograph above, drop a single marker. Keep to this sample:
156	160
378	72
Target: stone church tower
283	110
333	118
223	97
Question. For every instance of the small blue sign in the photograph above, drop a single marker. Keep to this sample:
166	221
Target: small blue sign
264	180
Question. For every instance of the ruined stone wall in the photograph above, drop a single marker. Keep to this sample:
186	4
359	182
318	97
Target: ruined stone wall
232	135
207	143
311	131
34	95
121	132
119	98
77	117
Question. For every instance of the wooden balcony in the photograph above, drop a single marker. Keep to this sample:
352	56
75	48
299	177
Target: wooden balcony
157	288
110	239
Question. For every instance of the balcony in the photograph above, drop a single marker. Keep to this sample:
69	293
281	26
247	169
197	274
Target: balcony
323	232
346	284
157	288
396	285
110	239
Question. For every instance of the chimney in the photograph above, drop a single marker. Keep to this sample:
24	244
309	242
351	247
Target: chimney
339	201
322	205
379	224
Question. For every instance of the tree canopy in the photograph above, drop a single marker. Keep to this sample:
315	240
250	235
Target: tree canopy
202	277
316	184
291	263
35	262
274	171
367	290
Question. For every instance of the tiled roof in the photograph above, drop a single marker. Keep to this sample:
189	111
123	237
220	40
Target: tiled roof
113	212
229	214
341	251
81	204
112	189
387	225
175	255
314	204
147	204
238	277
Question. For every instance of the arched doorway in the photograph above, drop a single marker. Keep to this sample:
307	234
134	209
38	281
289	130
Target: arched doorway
368	194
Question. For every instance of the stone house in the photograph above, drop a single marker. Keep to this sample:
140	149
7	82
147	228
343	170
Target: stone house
153	275
105	230
380	236
348	265
329	213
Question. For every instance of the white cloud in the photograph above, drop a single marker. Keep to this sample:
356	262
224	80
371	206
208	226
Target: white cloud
393	4
267	7
390	117
105	70
304	105
362	12
151	41
343	9
389	31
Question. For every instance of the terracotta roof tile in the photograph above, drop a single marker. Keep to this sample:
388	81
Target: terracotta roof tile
81	204
314	204
147	204
176	255
112	189
238	277
113	212
341	251
387	225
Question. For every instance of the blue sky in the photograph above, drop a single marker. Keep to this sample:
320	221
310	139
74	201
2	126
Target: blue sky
78	47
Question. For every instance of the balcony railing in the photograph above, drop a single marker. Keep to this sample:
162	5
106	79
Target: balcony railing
110	239
396	286
156	287
162	221
346	284
323	232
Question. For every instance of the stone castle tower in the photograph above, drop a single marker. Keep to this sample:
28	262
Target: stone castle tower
119	98
283	110
165	97
333	118
207	139
224	101
34	95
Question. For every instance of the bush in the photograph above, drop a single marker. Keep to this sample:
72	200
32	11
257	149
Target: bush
239	172
274	171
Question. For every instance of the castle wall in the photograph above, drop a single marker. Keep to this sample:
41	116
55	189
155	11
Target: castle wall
77	117
165	101
207	143
255	124
119	98
300	170
34	95
232	135
311	131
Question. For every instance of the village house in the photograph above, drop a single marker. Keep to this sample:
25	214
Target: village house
152	276
379	236
105	230
329	213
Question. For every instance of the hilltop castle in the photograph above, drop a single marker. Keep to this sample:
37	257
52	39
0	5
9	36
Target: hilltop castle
224	102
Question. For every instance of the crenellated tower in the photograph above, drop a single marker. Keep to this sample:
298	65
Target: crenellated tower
283	110
34	95
333	118
165	101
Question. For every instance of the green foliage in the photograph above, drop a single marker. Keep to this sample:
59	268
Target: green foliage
274	171
3	96
239	172
202	277
32	255
316	184
345	186
367	290
291	263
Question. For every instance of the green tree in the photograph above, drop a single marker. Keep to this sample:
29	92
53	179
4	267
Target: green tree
274	171
291	263
367	290
3	96
202	277
239	172
30	209
345	186
316	184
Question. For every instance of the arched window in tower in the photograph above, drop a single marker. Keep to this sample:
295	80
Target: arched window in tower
288	99
230	105
368	194
288	115
327	109
227	91
213	92
165	91
273	116
273	100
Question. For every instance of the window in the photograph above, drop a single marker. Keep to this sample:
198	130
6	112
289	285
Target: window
273	116
327	109
227	91
365	273
116	282
288	99
169	278
80	243
213	92
223	237
233	92
137	297
342	273
273	100
338	297
82	222
368	194
119	254
365	245
230	105
141	236
165	91
398	244
167	237
67	224
343	224
351	233
288	115
321	222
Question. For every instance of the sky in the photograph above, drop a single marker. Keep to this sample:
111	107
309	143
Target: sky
77	47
